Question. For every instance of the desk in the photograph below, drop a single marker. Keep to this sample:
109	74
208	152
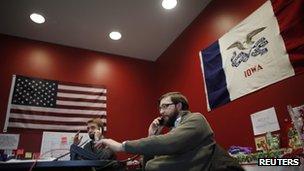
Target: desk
58	165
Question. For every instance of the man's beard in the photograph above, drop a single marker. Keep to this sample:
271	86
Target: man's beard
170	122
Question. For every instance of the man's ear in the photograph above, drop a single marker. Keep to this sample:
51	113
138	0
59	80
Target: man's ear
179	106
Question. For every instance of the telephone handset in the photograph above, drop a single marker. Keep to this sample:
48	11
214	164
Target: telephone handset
161	121
97	138
92	136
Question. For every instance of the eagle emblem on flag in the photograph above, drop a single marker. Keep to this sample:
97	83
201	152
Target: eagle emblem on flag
248	48
248	42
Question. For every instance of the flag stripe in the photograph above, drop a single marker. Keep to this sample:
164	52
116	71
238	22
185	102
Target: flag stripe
54	110
78	88
81	100
46	126
214	74
82	96
81	85
50	118
74	103
46	122
81	92
30	112
80	107
292	30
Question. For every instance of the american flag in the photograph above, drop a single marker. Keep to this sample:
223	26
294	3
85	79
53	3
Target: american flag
53	105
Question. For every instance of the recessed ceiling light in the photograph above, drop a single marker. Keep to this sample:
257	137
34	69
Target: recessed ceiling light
37	18
115	35
169	4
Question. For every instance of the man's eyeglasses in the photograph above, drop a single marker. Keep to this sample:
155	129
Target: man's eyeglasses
165	106
91	127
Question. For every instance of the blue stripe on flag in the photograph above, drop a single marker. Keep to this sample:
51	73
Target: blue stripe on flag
215	78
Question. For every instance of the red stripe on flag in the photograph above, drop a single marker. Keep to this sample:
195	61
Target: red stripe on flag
81	85
289	14
81	92
81	100
80	107
46	122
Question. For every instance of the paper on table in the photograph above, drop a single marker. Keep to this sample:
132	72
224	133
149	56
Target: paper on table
9	141
264	121
55	144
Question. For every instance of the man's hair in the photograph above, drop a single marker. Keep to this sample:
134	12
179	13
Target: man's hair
97	121
176	97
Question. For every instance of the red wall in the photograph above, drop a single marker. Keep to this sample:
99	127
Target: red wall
178	69
130	83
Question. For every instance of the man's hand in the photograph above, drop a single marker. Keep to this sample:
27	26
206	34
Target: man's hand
155	128
97	135
76	139
112	144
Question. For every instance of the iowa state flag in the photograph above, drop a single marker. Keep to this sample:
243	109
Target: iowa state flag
265	48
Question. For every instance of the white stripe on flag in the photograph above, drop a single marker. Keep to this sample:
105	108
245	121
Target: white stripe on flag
55	110
50	118
46	126
82	96
86	104
78	88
